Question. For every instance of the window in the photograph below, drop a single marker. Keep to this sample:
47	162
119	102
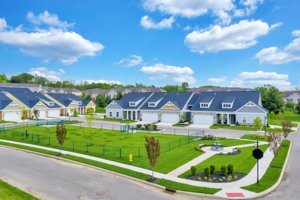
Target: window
226	105
298	100
110	114
79	103
51	103
117	114
244	119
204	105
151	104
132	104
290	100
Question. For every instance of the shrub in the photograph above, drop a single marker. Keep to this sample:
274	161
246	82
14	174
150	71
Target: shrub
205	178
224	178
235	177
229	179
154	127
199	178
206	172
210	180
193	170
139	126
212	169
220	180
223	170
230	169
150	127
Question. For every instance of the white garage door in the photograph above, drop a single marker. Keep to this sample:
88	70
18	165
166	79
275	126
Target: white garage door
203	119
150	117
53	113
12	116
43	114
170	118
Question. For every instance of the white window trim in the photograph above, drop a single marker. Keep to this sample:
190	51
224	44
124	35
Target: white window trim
227	105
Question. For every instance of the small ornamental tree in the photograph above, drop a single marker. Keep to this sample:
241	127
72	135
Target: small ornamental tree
24	113
75	113
286	128
275	140
257	123
90	117
61	133
153	151
182	116
36	113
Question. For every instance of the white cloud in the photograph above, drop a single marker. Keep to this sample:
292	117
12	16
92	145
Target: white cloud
217	80
275	55
47	19
89	81
148	23
168	72
236	36
249	7
131	61
51	75
50	44
260	78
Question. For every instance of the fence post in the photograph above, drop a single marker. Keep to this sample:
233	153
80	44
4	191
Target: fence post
38	138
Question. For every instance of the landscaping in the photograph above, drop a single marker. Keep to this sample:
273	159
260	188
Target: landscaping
8	192
274	171
100	110
115	145
181	124
125	121
242	163
255	137
243	128
6	122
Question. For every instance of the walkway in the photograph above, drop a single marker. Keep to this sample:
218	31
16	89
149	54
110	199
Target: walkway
248	180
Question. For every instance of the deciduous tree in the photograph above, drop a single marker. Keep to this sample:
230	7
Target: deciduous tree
61	134
153	151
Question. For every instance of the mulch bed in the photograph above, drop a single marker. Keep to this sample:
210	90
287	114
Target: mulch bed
217	177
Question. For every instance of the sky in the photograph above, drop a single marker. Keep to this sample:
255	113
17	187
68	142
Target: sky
242	43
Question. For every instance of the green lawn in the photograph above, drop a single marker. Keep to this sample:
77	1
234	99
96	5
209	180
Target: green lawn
242	128
273	173
277	122
6	122
125	121
100	110
180	125
8	192
254	137
292	115
114	145
243	162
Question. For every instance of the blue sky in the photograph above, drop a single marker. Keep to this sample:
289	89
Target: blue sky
243	43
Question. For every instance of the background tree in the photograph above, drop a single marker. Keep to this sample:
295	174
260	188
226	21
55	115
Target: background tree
290	105
22	78
83	96
298	107
275	140
40	80
153	151
61	134
3	78
101	101
184	87
36	113
90	117
286	128
171	88
257	123
119	96
272	98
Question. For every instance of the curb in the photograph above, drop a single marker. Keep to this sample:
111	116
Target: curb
112	172
273	187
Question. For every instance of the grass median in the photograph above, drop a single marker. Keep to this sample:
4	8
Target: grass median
8	192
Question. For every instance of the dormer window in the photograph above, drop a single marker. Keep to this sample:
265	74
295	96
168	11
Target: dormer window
79	103
204	105
132	104
51	103
226	105
151	104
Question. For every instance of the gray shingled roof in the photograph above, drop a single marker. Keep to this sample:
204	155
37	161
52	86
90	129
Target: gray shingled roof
4	101
133	96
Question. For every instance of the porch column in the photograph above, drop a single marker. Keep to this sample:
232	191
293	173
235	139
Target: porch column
228	122
131	114
127	114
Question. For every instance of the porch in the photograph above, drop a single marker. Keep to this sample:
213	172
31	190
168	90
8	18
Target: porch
131	115
226	118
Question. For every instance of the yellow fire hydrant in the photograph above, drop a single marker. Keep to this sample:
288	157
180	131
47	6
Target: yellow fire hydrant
130	157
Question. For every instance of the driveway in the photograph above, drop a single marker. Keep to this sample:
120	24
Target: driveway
49	178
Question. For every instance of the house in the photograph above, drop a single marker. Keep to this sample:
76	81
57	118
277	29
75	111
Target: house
31	87
203	108
218	89
62	91
9	110
93	93
292	96
226	107
32	102
70	102
115	91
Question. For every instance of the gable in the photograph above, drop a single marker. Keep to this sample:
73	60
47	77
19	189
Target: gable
169	106
12	106
39	105
250	107
113	105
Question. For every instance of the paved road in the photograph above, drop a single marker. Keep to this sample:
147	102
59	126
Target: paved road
50	179
289	187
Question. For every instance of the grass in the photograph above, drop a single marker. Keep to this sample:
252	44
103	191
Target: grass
100	110
8	192
274	171
243	162
180	125
254	137
125	121
242	128
187	188
117	146
277	122
6	122
138	175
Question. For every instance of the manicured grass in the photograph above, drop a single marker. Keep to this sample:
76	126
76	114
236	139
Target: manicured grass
175	150
187	188
180	125
292	115
8	192
100	110
243	162
242	128
254	137
6	122
125	121
138	175
273	173
277	122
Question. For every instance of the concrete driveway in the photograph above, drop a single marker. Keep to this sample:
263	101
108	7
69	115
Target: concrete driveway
49	178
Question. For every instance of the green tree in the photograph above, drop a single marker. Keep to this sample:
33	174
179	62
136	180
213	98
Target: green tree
119	96
182	116
298	107
83	96
272	98
24	113
184	86
286	128
257	123
90	117
61	134
153	151
40	80
101	101
171	88
22	78
290	105
3	78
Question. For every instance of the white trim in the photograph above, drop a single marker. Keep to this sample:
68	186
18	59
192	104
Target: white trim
161	108
10	104
252	106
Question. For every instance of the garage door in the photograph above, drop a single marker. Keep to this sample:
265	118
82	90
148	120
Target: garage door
53	113
43	114
170	118
12	116
203	119
150	117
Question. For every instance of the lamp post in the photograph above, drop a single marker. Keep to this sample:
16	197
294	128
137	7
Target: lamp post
265	125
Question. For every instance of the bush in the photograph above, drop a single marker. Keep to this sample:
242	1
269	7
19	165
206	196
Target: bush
139	126
154	127
230	169
205	178
199	178
229	179
210	180
150	127
206	172
212	169
223	170
193	170
235	177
